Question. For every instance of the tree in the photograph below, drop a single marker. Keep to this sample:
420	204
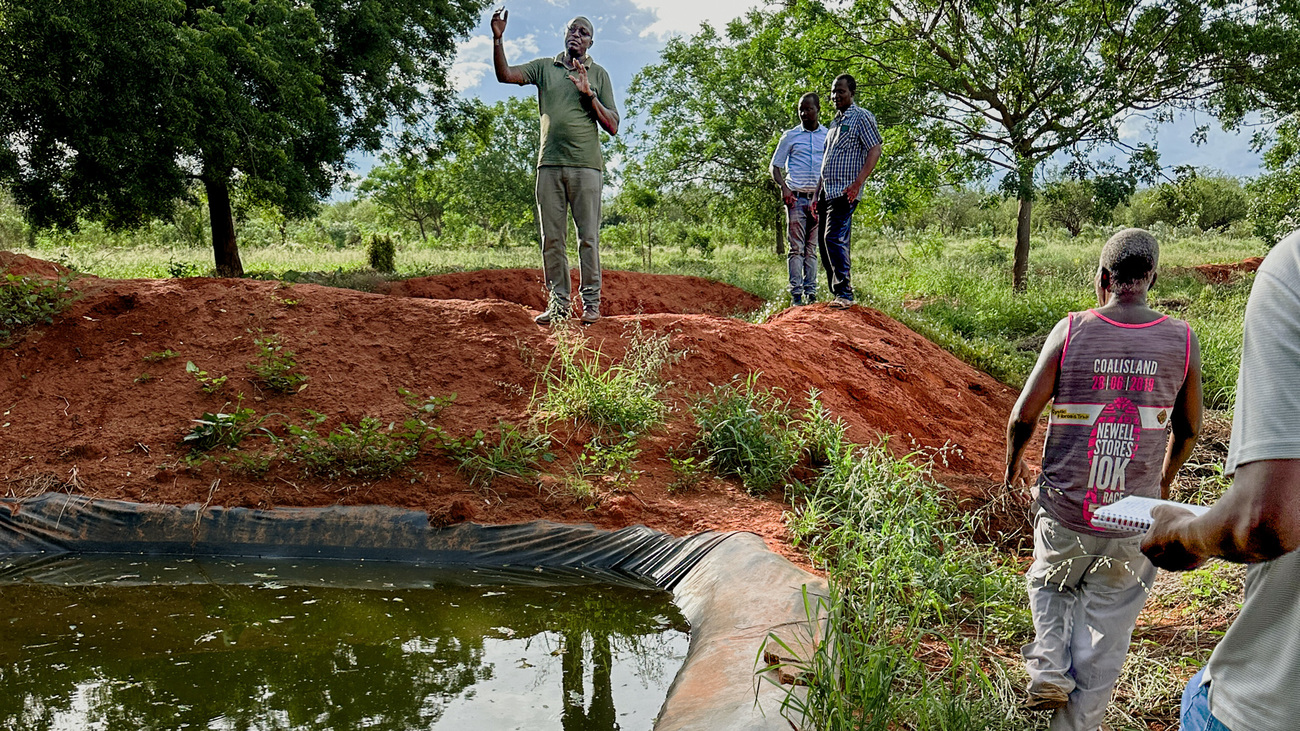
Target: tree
717	103
1275	195
110	108
1074	200
408	190
1017	81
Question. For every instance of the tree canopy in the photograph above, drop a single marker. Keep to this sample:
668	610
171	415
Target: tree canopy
114	109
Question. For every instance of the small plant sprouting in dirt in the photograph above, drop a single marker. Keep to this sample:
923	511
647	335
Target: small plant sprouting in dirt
181	269
208	384
369	449
515	453
610	459
28	301
749	433
688	471
275	366
146	377
222	429
160	356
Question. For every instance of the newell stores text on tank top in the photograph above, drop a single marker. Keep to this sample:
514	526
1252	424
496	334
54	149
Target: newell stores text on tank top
1108	431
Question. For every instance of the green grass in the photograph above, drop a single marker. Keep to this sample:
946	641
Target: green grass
582	385
749	433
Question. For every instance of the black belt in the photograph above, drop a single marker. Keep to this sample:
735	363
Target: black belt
804	194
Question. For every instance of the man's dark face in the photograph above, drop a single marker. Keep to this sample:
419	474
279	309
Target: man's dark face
577	39
841	95
808	113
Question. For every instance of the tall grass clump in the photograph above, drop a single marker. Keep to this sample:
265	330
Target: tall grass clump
615	397
913	600
749	433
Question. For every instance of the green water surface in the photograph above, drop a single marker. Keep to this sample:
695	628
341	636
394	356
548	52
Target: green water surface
136	644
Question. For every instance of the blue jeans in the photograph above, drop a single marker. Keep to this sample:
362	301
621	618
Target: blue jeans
836	222
1196	714
805	237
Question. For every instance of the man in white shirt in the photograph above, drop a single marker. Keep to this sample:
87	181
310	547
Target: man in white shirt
1250	681
799	154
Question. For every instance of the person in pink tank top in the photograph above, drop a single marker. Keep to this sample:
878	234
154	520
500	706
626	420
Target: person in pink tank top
1124	382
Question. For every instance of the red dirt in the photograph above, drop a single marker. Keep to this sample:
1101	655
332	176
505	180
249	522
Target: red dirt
1224	273
77	416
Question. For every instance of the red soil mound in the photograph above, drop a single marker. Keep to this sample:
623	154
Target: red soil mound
1224	273
79	412
623	293
22	265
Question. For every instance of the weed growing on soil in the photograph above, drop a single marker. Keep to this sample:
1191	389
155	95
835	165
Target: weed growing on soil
368	449
27	301
909	586
749	433
275	366
611	458
515	453
688	470
208	384
160	356
221	429
623	397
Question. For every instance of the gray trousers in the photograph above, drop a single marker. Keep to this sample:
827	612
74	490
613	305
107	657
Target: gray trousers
1085	593
801	263
559	190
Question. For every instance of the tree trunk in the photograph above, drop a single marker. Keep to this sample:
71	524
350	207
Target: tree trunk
224	247
1020	270
420	221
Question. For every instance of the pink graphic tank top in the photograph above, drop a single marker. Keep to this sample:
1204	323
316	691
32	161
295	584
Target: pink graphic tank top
1109	428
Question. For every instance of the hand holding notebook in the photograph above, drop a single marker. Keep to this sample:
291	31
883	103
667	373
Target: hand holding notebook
1134	513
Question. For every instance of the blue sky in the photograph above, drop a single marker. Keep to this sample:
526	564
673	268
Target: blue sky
631	34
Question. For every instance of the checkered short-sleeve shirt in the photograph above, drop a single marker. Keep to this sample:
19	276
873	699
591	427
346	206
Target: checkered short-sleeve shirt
852	134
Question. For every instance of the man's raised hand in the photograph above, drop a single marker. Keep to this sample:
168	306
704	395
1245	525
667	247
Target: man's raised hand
499	17
580	80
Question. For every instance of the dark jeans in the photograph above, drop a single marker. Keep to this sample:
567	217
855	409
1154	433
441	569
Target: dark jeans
835	221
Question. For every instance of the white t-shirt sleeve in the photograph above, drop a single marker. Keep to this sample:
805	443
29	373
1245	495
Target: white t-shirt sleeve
1266	417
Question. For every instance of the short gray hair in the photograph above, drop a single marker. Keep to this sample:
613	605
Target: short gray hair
1131	257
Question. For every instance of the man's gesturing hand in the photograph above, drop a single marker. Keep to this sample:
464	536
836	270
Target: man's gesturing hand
579	79
499	18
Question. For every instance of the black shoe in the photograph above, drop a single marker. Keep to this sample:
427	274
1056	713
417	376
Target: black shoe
550	315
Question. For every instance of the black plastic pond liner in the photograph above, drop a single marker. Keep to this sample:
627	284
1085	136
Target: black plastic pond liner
731	589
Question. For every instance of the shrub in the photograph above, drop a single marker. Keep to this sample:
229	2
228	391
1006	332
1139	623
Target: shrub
515	453
382	253
28	301
749	433
221	430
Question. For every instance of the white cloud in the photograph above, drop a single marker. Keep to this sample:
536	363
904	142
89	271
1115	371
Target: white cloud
685	16
474	58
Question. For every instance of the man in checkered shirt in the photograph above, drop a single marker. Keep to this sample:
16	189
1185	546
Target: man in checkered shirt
852	148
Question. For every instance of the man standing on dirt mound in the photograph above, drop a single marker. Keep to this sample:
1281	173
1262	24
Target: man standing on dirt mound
1125	387
574	95
799	154
1250	683
853	146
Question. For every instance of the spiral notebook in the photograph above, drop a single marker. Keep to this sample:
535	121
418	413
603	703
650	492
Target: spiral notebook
1134	513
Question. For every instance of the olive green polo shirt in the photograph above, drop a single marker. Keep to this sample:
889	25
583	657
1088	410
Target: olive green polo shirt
570	135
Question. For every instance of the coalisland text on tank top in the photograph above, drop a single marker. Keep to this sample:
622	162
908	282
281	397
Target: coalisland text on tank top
1124	374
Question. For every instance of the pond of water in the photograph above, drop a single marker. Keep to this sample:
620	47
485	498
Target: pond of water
122	643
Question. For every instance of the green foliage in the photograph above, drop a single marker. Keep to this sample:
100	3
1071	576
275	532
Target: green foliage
1275	195
514	453
181	269
277	93
382	253
275	366
609	458
1074	201
28	301
221	429
159	356
623	397
368	450
1205	199
749	433
689	471
905	573
208	384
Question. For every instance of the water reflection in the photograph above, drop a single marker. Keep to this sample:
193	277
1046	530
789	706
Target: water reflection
273	654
